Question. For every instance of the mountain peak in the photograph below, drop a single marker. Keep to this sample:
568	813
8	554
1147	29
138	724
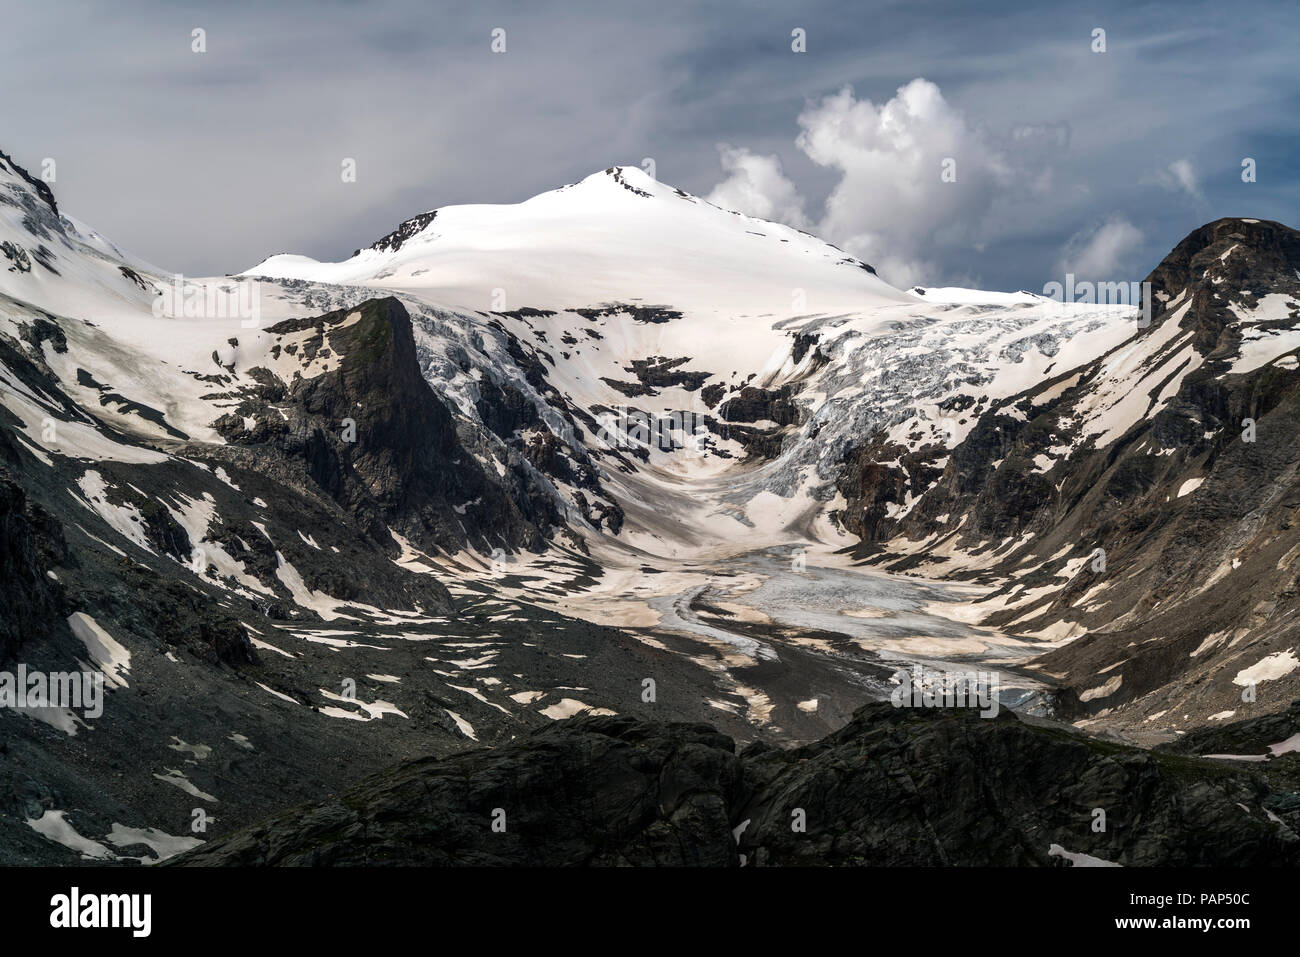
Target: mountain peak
601	241
41	188
1235	281
631	178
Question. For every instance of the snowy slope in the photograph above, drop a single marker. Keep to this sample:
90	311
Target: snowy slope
616	236
603	278
618	239
761	356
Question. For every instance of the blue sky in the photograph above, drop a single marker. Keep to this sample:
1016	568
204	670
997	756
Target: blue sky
1065	159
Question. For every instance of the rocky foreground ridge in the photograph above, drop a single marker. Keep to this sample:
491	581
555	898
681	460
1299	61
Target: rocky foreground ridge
894	787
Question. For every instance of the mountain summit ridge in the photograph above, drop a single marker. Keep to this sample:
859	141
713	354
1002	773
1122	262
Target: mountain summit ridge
624	232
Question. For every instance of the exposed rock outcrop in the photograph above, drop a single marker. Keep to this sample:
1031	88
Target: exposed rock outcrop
371	433
31	540
894	787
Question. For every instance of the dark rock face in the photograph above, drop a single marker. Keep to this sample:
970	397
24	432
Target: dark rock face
950	788
40	187
870	487
752	404
504	409
645	314
617	174
894	787
657	373
1264	260
513	417
1219	562
40	330
31	540
398	237
744	416
1252	736
373	435
18	259
594	791
175	614
711	395
803	342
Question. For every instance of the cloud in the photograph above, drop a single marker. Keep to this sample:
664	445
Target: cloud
892	202
1103	252
1178	176
892	205
757	186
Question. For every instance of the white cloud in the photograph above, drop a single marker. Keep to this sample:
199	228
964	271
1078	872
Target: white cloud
757	186
1104	252
1178	176
891	206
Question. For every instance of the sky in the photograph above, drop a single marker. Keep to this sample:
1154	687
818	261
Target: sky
981	144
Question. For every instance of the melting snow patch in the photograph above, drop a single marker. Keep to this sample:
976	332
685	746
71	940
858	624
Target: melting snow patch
162	844
1237	757
63	719
200	751
282	697
373	709
568	707
267	646
318	602
1079	860
176	779
1268	669
1290	746
54	825
338	642
110	657
1103	691
126	520
465	727
475	693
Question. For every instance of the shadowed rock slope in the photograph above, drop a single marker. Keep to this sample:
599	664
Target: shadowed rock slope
893	787
373	435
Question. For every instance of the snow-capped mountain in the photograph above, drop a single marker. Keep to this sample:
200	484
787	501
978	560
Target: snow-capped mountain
621	293
507	462
617	236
